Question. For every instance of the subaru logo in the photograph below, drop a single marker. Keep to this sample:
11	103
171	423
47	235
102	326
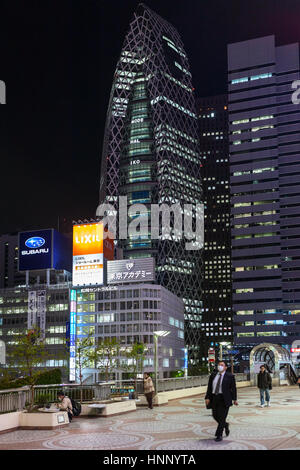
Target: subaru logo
35	242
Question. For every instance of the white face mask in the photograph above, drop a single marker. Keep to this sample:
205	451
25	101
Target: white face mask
220	368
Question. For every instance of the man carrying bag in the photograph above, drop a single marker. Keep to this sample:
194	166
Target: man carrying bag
221	392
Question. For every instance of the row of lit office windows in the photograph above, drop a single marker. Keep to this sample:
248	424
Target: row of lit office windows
119	317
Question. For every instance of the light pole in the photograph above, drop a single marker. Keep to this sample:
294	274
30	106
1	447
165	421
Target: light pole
224	343
156	334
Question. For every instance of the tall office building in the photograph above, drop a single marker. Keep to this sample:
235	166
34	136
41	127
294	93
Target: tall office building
35	295
217	321
264	166
9	256
15	308
151	152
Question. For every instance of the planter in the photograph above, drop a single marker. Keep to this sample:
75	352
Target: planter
118	407
159	400
9	421
108	408
43	420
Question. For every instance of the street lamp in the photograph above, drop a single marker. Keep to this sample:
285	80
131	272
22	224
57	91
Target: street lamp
224	343
156	334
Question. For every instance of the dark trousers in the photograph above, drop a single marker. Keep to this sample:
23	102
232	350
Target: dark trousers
149	398
219	412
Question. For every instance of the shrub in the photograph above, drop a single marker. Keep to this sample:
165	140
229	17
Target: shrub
44	378
49	377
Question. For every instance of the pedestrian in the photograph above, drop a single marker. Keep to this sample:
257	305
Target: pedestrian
65	404
264	383
148	389
221	392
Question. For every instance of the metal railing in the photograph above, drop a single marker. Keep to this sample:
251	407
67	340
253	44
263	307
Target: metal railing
15	399
165	385
75	391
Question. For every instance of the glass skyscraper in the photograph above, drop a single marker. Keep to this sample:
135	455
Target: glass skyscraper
151	153
216	286
265	168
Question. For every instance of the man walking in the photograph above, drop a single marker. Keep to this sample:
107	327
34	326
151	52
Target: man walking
148	389
264	383
221	391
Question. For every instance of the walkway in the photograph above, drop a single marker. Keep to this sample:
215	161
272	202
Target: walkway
184	424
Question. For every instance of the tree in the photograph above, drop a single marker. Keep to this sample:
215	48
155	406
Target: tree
197	369
28	354
135	355
83	356
105	356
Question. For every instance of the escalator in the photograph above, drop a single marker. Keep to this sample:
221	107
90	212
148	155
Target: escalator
291	374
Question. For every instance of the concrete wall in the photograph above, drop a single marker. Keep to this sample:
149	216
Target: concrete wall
9	421
21	420
163	397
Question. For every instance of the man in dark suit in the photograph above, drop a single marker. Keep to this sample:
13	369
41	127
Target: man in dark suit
221	392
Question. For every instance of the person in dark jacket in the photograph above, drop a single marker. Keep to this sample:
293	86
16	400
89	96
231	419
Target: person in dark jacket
221	392
264	383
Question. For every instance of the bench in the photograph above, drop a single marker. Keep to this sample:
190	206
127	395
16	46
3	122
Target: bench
97	405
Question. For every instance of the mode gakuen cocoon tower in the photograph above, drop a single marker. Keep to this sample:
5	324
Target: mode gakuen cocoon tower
151	153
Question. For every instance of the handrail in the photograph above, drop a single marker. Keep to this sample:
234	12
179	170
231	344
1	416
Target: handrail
15	399
10	390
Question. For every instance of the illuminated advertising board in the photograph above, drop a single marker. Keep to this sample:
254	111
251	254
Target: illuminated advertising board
90	248
72	333
44	249
35	250
130	270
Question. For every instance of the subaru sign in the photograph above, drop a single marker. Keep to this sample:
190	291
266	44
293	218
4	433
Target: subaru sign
44	249
35	242
35	250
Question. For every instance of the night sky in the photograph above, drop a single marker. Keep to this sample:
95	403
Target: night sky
57	59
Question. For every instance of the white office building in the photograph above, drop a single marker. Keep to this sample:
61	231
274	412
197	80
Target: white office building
132	313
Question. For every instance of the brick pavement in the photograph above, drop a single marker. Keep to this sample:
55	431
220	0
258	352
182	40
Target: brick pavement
184	424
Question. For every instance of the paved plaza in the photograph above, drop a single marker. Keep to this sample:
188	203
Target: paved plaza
184	424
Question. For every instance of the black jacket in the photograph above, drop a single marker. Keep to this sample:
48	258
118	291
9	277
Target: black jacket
264	380
228	388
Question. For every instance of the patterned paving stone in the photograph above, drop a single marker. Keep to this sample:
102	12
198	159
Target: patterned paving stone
205	444
183	425
96	441
177	409
257	433
154	427
28	436
268	420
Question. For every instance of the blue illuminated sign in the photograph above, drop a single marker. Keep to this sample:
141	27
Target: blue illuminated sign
44	249
35	242
73	312
185	358
35	250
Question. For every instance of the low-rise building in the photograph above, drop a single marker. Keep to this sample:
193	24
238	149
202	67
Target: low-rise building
131	314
